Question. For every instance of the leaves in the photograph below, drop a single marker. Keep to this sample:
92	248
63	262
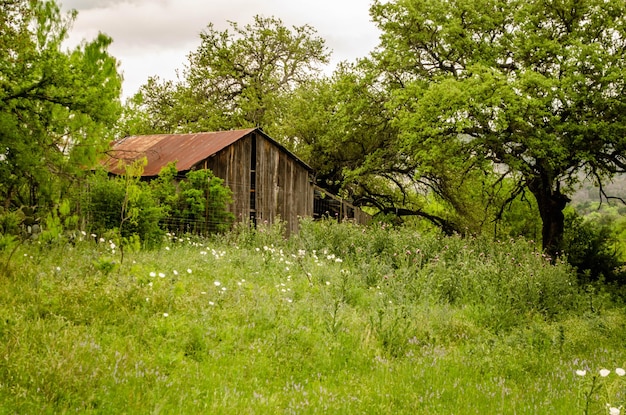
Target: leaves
236	78
535	86
55	105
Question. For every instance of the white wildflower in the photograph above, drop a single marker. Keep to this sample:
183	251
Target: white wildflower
581	372
605	372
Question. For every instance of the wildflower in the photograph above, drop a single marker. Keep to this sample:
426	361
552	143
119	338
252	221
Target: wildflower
604	372
112	245
148	299
189	271
175	272
620	371
217	283
153	274
202	252
613	410
327	282
161	275
167	248
165	315
211	303
581	372
203	292
58	269
101	239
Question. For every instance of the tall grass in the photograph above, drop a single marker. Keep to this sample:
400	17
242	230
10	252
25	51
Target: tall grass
338	319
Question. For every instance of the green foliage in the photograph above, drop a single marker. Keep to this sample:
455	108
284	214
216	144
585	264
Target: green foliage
196	204
236	78
297	324
589	247
58	223
55	105
106	199
520	85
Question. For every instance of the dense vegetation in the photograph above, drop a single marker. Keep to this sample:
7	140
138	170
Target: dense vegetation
341	319
479	288
478	117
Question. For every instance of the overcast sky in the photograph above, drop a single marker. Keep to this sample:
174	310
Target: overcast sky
154	37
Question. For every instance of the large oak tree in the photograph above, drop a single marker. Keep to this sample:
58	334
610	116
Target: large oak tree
535	88
236	78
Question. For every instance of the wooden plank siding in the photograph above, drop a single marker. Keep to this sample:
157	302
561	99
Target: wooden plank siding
282	188
232	165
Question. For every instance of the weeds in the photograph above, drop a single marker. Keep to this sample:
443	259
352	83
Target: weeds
338	319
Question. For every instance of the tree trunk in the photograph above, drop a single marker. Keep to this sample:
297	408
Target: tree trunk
551	203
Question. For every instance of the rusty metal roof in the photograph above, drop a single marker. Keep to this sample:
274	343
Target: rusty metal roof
160	149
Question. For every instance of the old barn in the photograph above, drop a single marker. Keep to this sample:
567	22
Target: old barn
266	179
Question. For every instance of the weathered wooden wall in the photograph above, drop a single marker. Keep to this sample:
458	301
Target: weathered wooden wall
284	187
279	186
232	164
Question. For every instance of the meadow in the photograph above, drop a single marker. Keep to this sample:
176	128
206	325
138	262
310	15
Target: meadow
339	319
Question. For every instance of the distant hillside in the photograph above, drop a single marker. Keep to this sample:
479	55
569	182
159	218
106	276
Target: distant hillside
588	192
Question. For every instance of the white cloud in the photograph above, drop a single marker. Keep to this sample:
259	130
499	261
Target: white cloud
154	37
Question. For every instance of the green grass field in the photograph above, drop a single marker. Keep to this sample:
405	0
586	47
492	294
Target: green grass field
337	320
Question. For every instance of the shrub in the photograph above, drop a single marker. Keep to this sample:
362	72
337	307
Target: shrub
588	246
197	204
104	203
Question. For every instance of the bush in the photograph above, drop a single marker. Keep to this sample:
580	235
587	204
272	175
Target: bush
104	209
197	204
589	247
